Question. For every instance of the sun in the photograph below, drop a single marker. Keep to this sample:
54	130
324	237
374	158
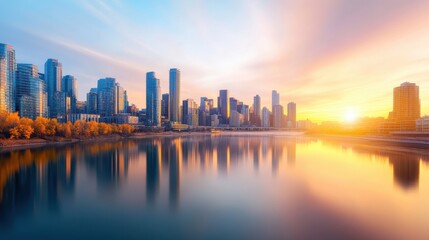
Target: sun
351	115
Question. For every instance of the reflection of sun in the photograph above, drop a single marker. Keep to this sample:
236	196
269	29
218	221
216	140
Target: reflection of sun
351	115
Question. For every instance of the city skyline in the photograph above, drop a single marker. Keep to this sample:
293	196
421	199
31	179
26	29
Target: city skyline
323	66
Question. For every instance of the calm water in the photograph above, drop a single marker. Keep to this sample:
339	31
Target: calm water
240	186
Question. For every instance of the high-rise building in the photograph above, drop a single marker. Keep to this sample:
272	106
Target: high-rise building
126	102
257	105
204	111
120	98
31	93
190	112
69	86
291	115
62	105
53	79
7	78
277	116
174	95
107	97
275	100
223	105
406	107
265	117
91	101
165	103
233	103
153	100
236	119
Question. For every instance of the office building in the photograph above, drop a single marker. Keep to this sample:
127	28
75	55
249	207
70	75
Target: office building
224	105
91	101
69	86
174	95
165	106
53	79
265	121
7	78
106	97
236	119
24	75
406	109
190	112
291	115
278	116
275	99
153	100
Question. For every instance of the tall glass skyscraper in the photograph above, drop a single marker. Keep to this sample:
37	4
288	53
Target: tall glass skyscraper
7	78
153	100
53	79
165	105
69	86
27	78
275	99
91	101
174	95
291	114
107	100
224	105
257	105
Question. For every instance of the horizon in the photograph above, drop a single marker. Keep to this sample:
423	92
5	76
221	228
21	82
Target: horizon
308	68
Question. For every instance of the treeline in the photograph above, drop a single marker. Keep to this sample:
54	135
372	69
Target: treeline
14	127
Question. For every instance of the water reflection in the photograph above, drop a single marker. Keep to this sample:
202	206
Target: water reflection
42	180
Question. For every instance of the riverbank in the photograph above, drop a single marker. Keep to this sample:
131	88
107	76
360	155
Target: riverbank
18	144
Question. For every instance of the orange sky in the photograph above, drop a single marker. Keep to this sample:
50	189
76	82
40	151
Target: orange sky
331	57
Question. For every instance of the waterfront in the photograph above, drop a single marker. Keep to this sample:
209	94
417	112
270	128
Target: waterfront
238	185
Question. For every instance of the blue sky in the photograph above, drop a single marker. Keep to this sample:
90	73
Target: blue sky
320	54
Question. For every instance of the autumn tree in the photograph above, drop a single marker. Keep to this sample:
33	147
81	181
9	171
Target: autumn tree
39	126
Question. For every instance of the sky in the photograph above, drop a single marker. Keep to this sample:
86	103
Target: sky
332	58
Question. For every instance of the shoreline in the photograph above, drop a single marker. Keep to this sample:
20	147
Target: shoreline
20	144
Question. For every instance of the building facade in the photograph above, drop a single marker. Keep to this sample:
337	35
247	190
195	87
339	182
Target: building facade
7	78
69	86
190	112
53	79
174	95
165	106
224	106
153	100
291	115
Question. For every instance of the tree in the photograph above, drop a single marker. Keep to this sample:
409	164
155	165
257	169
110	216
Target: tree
104	129
40	125
91	129
52	126
25	128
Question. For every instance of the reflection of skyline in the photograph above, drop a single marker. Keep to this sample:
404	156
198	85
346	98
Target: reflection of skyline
406	165
41	179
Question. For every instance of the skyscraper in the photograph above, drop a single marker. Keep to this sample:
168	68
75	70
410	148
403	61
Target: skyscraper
257	105
31	95
233	103
7	78
265	117
406	106
190	112
275	100
120	98
277	116
165	105
153	100
91	101
53	79
223	105
174	95
106	93
291	114
69	86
